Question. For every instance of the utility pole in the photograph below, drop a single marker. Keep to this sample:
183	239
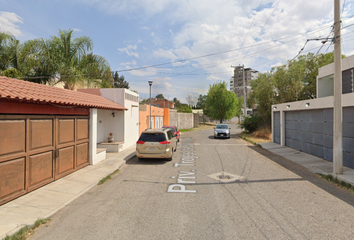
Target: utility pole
337	98
244	91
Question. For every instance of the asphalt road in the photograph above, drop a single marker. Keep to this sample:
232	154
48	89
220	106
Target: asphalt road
267	198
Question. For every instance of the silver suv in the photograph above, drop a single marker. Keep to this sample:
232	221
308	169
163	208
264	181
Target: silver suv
156	143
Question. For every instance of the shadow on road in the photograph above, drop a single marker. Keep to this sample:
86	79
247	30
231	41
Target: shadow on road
343	194
147	161
220	138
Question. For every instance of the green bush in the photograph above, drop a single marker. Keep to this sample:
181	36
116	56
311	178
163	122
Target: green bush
251	124
12	73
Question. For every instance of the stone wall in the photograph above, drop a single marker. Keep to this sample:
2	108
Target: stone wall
183	120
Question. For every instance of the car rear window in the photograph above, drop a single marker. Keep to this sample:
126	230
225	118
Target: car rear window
152	137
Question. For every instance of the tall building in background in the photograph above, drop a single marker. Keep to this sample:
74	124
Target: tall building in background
236	82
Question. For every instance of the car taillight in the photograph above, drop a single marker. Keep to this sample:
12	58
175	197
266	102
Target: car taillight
140	142
165	142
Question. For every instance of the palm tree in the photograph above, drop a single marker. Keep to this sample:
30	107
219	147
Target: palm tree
68	54
5	49
96	71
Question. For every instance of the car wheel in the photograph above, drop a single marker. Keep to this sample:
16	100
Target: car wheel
176	147
170	159
178	140
139	159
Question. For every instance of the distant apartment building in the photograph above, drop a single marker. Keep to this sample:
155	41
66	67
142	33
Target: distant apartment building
236	82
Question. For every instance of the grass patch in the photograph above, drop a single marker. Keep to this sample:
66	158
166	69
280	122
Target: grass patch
255	137
27	231
186	130
103	180
202	126
343	184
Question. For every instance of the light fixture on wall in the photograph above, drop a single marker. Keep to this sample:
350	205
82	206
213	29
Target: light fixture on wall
275	108
307	104
288	106
113	114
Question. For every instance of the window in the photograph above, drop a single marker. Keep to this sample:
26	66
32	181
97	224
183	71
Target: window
170	134
152	137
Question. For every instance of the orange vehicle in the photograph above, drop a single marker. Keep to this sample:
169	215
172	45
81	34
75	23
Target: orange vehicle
175	130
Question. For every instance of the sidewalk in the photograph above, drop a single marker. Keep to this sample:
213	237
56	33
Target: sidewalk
47	200
312	163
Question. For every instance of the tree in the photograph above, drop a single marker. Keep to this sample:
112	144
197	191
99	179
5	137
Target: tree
69	52
160	96
239	107
190	100
184	108
96	71
5	49
201	101
220	103
263	93
288	83
176	102
12	73
119	81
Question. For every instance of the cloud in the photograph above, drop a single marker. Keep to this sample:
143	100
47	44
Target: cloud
260	39
143	72
161	53
77	30
167	85
145	28
129	63
8	23
276	65
128	51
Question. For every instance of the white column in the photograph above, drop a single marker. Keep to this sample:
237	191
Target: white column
93	135
272	125
337	110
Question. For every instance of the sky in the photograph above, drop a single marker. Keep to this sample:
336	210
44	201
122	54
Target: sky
184	46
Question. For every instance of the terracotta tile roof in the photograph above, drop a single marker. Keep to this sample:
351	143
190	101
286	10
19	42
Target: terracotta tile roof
11	88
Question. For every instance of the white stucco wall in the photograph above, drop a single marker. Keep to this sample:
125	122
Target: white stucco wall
324	80
128	130
114	94
131	130
106	124
93	136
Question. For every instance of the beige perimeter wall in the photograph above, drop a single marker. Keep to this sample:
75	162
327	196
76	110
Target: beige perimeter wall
183	120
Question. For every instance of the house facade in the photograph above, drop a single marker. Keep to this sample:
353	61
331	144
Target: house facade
162	103
123	125
158	118
46	133
308	125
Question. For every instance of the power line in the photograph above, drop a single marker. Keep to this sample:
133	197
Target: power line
213	54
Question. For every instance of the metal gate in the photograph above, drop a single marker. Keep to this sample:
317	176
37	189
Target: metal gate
35	150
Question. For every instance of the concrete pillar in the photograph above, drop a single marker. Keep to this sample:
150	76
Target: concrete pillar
282	128
93	135
337	110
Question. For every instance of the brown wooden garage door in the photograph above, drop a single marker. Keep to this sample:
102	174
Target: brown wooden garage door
35	150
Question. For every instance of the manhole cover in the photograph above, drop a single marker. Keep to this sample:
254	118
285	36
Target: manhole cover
226	177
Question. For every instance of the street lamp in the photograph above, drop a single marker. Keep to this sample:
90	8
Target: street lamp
150	83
